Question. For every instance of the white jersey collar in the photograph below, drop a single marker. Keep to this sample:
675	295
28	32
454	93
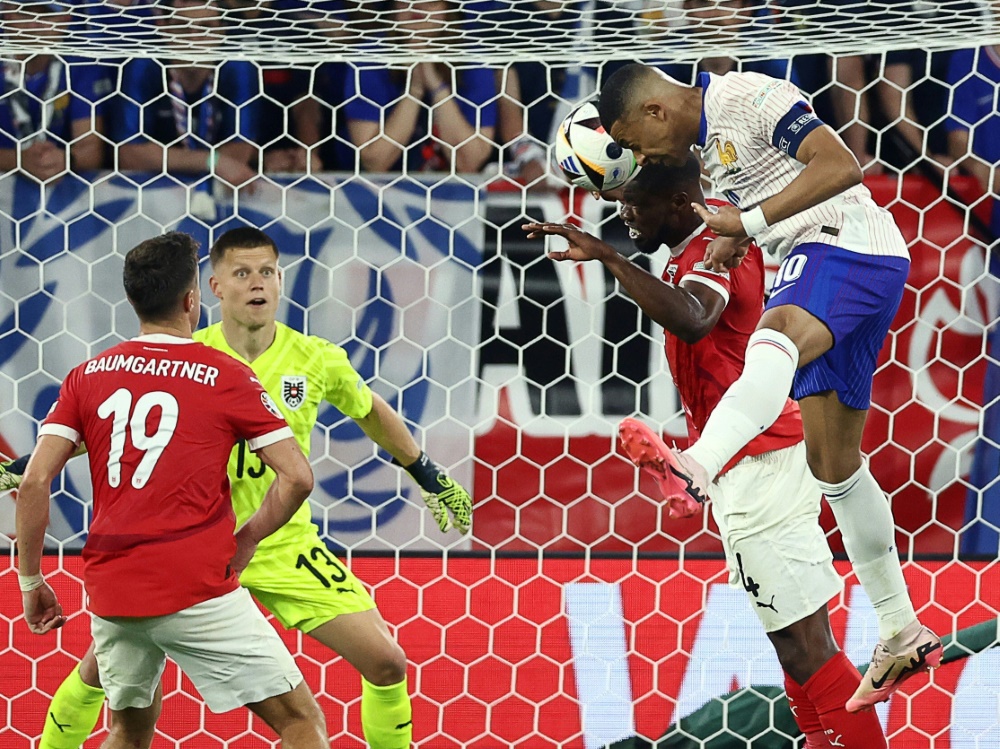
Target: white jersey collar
161	338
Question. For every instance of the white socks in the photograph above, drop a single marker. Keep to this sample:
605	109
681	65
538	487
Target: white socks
752	403
865	522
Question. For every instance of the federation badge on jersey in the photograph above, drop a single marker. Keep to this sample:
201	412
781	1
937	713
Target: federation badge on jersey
728	156
270	405
699	267
293	390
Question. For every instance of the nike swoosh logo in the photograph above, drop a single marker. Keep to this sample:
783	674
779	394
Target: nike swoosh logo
696	495
783	288
878	683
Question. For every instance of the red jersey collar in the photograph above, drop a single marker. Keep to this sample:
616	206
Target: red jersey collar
678	250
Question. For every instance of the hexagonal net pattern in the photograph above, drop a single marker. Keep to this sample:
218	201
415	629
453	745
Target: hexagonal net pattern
575	614
487	30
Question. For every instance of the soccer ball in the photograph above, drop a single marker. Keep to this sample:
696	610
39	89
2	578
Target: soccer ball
587	155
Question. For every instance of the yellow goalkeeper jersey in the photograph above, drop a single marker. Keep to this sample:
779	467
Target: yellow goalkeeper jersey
299	372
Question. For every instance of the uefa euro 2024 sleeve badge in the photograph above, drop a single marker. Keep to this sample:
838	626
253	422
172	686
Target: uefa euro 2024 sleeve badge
293	390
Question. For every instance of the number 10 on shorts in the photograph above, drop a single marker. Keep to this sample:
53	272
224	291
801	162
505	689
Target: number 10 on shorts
791	268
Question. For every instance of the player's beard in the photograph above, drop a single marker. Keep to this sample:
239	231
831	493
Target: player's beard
647	245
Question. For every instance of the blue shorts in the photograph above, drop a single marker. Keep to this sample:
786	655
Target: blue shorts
856	296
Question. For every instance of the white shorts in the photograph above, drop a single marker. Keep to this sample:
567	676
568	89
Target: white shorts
224	645
767	509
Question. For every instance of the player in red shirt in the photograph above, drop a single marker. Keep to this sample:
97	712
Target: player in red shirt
160	415
765	502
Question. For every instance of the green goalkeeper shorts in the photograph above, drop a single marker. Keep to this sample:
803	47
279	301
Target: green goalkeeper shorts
304	584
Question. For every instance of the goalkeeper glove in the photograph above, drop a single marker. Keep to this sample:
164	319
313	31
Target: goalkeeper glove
11	472
442	495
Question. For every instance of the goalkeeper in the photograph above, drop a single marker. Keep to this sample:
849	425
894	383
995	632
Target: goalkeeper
292	574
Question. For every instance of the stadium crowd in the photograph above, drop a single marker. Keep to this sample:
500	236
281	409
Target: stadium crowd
896	110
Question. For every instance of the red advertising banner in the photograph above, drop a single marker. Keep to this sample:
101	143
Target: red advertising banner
545	653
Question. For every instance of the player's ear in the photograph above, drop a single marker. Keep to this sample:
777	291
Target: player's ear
654	109
191	300
680	199
213	284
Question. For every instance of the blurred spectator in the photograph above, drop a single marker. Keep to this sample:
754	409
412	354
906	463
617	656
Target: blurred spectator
317	119
974	125
429	116
534	95
856	104
341	19
264	22
258	20
736	23
295	115
524	155
287	120
51	118
190	118
889	107
120	22
119	27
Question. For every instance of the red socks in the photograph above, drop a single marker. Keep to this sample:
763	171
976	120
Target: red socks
805	715
820	713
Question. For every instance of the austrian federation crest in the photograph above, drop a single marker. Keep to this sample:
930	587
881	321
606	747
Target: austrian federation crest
293	390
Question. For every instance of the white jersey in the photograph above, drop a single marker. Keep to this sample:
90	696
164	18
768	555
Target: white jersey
751	128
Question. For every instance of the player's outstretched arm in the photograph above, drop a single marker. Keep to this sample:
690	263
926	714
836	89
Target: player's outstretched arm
688	312
291	487
830	169
448	501
42	611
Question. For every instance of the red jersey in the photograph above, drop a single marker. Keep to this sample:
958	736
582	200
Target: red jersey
703	371
160	415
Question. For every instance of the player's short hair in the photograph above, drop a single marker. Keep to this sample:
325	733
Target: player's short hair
660	178
244	238
620	91
159	272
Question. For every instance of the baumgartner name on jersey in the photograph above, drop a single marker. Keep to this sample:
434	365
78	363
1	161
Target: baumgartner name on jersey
140	365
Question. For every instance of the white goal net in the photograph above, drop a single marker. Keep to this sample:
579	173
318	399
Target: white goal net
393	150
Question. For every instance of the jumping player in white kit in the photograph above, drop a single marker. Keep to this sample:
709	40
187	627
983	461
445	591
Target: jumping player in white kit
796	190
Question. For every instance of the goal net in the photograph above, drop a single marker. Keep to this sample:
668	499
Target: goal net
393	151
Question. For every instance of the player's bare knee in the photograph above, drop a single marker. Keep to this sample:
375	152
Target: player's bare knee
134	727
802	651
293	713
831	465
126	738
809	334
389	668
308	713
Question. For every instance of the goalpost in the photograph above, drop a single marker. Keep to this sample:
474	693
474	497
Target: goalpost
575	615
